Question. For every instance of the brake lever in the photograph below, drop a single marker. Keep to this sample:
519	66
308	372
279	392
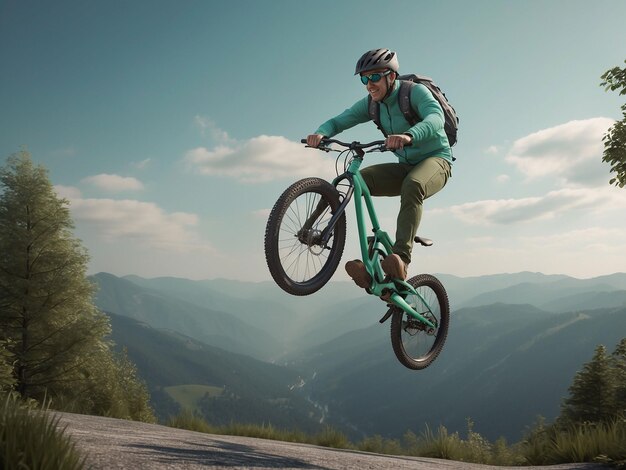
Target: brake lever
325	149
380	148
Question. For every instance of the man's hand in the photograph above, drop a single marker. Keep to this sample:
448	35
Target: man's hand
314	140
397	141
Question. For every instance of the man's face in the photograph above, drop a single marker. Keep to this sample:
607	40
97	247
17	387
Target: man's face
377	90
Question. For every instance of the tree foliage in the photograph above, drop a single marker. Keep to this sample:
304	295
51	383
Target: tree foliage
7	381
56	336
598	390
619	367
615	139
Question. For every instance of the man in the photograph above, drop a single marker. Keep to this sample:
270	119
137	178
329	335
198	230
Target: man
423	151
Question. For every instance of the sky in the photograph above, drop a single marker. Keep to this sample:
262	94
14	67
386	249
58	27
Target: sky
172	127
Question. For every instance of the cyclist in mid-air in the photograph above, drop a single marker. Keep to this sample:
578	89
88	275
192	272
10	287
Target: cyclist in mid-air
423	151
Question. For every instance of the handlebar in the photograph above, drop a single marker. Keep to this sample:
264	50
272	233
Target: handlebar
352	145
357	147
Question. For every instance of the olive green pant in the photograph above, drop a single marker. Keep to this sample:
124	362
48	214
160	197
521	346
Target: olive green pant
414	184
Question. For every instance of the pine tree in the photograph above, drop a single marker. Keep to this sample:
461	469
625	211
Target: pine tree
54	338
47	310
619	372
592	393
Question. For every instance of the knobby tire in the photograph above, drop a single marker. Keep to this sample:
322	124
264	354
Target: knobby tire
297	264
408	336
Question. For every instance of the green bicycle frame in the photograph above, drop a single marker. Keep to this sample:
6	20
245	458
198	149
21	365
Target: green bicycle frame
379	243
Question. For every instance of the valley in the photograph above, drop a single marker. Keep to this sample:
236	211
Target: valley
250	353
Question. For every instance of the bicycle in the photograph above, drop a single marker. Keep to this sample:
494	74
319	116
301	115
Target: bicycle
305	237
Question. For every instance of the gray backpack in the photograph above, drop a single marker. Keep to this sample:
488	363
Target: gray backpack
407	82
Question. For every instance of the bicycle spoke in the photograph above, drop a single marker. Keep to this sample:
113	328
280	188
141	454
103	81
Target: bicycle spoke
298	260
417	338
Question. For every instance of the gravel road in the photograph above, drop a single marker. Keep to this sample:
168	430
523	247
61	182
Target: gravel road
117	444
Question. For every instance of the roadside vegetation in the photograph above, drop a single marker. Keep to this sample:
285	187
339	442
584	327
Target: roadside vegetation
55	351
603	443
30	439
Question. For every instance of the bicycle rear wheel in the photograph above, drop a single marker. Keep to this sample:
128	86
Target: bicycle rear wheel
299	263
415	344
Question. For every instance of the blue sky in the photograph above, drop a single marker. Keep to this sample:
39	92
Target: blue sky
173	126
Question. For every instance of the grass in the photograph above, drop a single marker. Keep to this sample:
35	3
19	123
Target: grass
544	446
603	442
30	439
475	448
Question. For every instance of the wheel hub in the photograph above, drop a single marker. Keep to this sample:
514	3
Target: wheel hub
309	237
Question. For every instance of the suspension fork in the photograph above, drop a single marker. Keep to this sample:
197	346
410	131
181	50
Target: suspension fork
322	206
328	231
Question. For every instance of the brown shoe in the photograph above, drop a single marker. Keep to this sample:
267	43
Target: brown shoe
356	270
395	267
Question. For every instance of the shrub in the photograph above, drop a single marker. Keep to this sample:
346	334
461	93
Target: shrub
186	419
602	442
30	439
331	437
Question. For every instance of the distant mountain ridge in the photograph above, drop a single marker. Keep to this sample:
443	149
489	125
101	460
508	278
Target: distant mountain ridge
497	353
205	324
525	288
541	294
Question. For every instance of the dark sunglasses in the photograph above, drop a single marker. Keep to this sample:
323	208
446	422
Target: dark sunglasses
374	77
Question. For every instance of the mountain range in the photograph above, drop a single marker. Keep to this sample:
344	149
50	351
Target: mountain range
514	346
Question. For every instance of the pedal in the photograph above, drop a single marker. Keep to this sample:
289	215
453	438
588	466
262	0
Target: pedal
423	241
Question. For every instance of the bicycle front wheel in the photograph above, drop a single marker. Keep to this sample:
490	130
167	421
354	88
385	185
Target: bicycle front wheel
297	259
415	344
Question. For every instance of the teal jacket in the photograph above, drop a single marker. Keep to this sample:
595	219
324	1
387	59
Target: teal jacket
429	137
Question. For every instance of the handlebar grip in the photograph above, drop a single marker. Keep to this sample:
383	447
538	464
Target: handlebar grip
303	141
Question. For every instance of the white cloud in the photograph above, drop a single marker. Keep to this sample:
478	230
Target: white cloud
67	192
142	164
549	206
571	153
139	222
114	183
503	179
208	127
261	159
606	239
262	214
492	150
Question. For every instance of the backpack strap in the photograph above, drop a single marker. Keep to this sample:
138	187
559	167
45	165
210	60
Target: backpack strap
404	100
373	109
